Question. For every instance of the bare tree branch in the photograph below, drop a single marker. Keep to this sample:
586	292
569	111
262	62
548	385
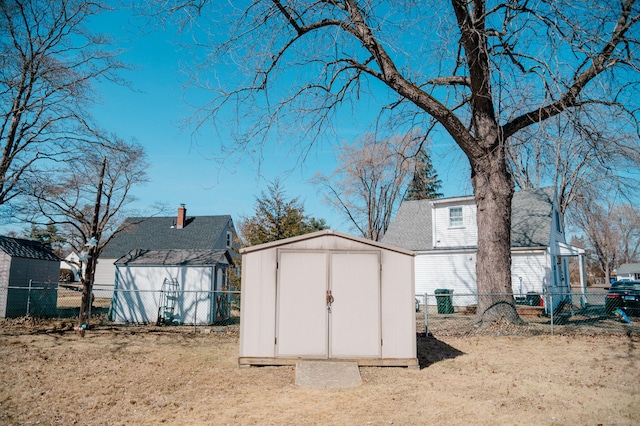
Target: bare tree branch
48	61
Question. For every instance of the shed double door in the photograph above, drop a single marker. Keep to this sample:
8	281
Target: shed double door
328	304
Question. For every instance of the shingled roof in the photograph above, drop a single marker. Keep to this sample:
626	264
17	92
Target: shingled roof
411	228
628	268
531	218
174	257
16	247
161	233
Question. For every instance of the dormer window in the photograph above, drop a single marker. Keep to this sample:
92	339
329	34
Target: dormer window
229	239
455	217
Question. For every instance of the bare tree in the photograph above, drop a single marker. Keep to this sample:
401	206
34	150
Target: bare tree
86	200
612	233
48	61
370	180
578	156
484	71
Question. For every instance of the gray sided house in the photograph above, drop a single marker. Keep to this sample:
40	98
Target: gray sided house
180	232
171	286
327	295
28	278
443	233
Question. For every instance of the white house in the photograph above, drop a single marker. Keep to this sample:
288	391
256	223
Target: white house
443	233
179	232
327	295
72	263
628	271
171	286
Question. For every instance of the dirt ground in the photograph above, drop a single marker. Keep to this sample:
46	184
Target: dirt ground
150	375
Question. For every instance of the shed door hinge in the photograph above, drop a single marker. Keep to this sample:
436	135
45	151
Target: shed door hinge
381	342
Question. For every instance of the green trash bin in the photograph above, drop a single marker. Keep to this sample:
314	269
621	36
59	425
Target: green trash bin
444	300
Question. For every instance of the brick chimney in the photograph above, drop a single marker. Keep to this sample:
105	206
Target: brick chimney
182	216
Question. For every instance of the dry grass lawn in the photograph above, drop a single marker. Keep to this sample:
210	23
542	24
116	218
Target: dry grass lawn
150	375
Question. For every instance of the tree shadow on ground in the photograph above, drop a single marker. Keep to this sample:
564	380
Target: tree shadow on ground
432	350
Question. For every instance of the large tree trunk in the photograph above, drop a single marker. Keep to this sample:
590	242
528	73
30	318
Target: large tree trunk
493	190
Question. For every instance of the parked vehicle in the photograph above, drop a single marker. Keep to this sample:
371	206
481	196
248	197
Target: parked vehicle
624	295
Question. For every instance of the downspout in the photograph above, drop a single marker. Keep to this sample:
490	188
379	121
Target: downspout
583	280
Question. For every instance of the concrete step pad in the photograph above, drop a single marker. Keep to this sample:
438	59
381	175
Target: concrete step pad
327	374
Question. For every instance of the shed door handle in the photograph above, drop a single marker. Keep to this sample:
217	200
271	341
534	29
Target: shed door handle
329	298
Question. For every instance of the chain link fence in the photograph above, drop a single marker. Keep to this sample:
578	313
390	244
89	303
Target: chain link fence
62	300
177	307
575	312
33	298
441	313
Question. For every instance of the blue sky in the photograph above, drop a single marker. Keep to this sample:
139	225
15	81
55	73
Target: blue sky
181	171
153	112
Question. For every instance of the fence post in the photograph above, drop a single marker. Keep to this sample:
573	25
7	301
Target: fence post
551	310
90	304
195	315
426	314
29	298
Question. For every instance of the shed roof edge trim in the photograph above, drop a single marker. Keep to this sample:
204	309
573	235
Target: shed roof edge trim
322	233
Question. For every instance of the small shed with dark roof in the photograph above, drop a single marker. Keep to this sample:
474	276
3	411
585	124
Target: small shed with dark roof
29	274
182	286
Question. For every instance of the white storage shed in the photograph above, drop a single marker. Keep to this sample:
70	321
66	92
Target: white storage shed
327	296
171	286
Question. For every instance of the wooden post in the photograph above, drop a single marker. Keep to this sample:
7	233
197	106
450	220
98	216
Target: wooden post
85	304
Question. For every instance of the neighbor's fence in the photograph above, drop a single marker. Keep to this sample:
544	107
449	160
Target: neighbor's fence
443	312
62	300
446	312
32	298
181	307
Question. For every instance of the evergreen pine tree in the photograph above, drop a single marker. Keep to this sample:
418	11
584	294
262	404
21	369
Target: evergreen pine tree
277	218
48	236
425	184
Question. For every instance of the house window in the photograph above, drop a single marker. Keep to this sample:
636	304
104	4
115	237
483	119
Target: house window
455	217
229	239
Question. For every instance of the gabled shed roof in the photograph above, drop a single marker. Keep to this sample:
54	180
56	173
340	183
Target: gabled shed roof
16	247
531	218
160	233
321	234
175	257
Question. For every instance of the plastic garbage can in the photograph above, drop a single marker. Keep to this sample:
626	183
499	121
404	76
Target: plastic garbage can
444	300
